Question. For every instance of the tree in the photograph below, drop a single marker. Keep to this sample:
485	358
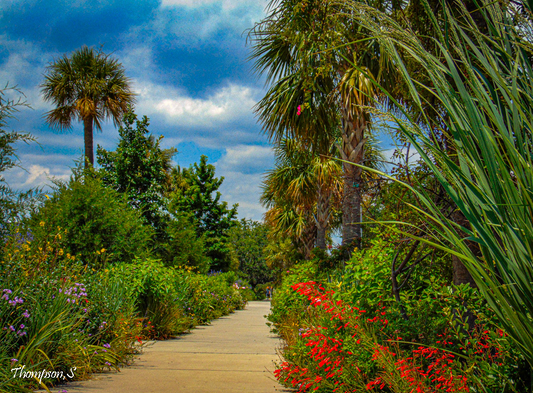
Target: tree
213	219
249	239
319	57
89	86
94	217
300	192
139	168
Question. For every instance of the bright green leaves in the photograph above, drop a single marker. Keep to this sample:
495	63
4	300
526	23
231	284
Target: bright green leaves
199	196
139	168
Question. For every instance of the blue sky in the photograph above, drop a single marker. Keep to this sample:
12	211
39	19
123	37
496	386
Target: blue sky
188	63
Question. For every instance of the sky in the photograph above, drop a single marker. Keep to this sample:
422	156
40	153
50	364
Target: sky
187	60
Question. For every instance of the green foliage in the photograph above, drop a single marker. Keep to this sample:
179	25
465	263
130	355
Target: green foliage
249	239
183	247
89	86
355	306
481	79
99	226
288	308
138	168
57	313
212	218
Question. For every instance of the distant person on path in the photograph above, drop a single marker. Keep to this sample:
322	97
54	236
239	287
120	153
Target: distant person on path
268	293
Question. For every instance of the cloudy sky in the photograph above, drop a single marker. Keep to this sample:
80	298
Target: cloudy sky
188	63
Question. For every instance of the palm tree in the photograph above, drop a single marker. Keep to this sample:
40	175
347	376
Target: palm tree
304	54
300	192
89	86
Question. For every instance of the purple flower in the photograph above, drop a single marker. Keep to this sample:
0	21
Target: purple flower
107	364
12	328
26	314
22	326
107	345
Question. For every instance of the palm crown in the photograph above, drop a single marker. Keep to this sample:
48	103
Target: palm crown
88	86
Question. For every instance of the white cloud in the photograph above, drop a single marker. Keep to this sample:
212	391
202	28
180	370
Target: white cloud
35	176
243	167
227	104
247	159
245	190
24	68
208	18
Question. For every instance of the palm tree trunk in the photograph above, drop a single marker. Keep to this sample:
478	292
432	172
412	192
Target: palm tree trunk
308	238
353	142
88	139
322	215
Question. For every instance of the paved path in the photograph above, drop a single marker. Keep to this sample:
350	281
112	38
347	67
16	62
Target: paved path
234	354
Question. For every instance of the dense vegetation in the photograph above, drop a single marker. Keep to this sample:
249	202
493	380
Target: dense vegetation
431	290
113	257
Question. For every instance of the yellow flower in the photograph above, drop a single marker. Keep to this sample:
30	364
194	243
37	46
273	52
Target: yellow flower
102	250
41	223
60	251
98	252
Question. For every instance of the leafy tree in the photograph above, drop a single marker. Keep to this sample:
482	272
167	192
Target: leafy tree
200	197
139	168
99	224
182	246
89	86
249	239
302	189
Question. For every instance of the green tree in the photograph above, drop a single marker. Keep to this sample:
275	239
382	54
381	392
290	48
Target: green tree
320	57
249	239
213	218
89	86
139	168
94	217
301	190
182	246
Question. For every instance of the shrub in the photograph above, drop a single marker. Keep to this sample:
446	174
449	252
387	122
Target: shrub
183	246
95	220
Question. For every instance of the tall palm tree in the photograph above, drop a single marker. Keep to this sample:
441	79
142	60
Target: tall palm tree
88	86
303	48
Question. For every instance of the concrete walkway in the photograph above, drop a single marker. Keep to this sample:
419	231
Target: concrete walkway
234	354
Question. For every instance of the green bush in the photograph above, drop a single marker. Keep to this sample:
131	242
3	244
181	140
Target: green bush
183	246
96	221
355	309
57	313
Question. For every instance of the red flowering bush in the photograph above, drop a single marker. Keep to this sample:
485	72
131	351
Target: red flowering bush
342	348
